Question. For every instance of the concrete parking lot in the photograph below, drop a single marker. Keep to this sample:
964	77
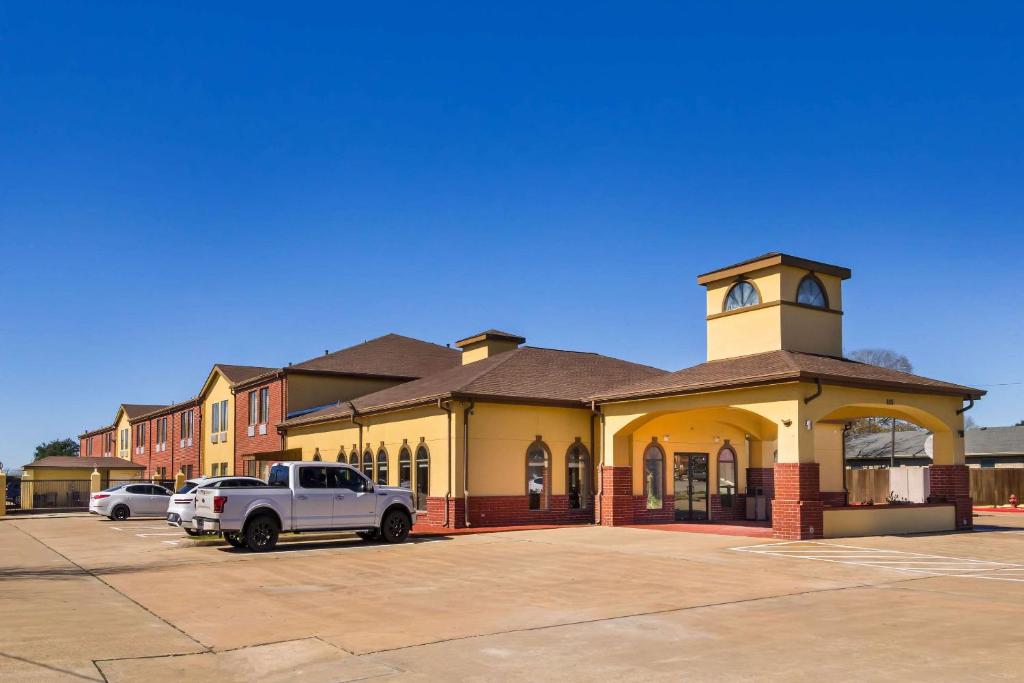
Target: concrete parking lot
89	599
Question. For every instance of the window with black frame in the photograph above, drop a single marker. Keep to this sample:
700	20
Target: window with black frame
422	477
367	468
577	478
537	463
382	467
405	468
726	475
654	476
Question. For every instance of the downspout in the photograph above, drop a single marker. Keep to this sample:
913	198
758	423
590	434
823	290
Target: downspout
846	489
600	468
352	407
465	460
596	413
816	394
448	493
170	428
964	409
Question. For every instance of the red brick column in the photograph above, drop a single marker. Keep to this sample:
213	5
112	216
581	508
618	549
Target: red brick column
616	496
952	483
796	509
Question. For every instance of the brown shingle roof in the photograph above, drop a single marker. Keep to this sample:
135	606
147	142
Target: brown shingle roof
782	366
135	410
392	355
174	407
242	373
85	461
527	374
94	432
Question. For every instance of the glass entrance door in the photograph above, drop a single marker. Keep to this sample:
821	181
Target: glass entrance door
690	477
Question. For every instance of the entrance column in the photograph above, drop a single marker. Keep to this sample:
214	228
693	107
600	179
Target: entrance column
949	477
796	509
616	500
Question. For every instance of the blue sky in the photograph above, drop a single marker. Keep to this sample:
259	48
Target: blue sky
255	183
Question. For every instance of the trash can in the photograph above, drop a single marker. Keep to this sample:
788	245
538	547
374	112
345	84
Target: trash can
757	504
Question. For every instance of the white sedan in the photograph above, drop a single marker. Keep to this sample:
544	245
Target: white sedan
182	506
130	500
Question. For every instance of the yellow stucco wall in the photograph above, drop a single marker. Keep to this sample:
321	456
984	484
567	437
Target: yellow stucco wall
122	424
74	473
499	435
873	521
428	425
219	389
771	326
310	391
828	453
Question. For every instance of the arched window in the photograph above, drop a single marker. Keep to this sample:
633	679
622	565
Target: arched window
538	460
405	468
382	467
341	454
741	295
422	476
811	293
368	464
577	476
654	476
353	459
726	475
316	455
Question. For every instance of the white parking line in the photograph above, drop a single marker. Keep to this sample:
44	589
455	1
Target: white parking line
148	535
898	560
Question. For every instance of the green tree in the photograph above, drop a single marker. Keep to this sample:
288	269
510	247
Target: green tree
56	447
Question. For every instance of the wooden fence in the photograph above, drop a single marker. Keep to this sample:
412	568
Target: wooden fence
989	485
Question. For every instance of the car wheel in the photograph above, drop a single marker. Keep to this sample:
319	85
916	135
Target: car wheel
120	513
372	535
192	532
234	540
261	534
395	528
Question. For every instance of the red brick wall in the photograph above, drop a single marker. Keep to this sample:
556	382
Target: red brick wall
763	477
833	499
797	510
178	454
718	513
641	515
616	505
952	483
97	446
485	511
258	443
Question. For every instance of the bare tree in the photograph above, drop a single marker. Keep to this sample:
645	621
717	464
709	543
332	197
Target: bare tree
885	358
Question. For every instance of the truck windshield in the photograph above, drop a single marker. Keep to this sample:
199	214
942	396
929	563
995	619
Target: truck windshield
278	476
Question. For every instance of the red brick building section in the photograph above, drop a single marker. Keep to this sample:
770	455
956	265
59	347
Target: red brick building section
259	408
172	441
952	484
797	511
97	443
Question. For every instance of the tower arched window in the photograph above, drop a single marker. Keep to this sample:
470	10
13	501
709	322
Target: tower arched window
810	292
353	458
741	295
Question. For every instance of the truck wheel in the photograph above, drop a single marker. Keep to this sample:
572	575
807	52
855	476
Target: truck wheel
261	534
234	540
120	513
371	535
395	528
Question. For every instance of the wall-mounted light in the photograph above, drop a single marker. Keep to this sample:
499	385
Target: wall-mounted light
717	439
808	425
666	437
787	423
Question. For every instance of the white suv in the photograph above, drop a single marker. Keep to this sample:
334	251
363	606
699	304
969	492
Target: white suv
182	506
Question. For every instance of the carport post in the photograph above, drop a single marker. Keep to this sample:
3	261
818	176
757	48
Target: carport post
179	480
95	481
3	487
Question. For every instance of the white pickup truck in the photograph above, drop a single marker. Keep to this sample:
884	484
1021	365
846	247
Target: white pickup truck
305	496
